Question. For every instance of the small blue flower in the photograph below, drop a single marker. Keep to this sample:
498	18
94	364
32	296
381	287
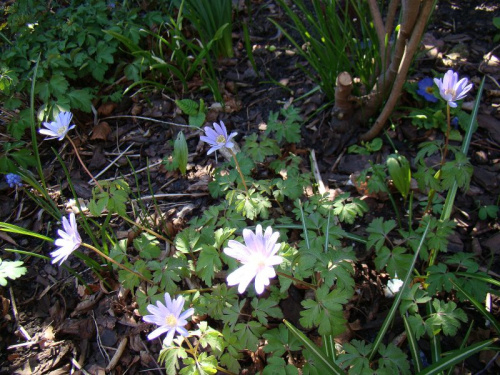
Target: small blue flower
426	89
13	180
454	122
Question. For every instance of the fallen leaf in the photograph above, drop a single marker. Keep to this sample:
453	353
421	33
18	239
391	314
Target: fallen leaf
101	131
106	109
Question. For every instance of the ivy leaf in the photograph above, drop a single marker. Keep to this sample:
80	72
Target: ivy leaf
11	269
446	317
262	308
393	360
379	229
208	263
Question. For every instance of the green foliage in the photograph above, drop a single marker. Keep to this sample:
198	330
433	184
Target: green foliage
333	42
213	21
325	312
366	148
11	269
15	155
347	209
446	318
75	55
179	156
399	170
258	151
489	211
196	112
114	197
287	129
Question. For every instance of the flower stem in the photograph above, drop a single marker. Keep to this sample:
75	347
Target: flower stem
115	262
310	286
83	165
142	227
447	136
239	169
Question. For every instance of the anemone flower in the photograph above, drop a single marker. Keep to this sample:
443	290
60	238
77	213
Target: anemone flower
426	89
169	318
13	180
394	285
258	257
451	89
59	128
217	137
69	240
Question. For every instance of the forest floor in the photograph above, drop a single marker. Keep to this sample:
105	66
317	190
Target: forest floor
62	320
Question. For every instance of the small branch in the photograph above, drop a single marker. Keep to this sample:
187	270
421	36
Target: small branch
83	164
402	72
379	25
343	90
118	354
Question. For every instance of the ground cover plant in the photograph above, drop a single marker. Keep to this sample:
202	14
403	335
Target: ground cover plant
205	227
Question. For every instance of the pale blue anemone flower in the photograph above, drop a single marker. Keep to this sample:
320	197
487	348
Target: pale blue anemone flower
58	128
217	137
69	240
169	317
258	257
451	89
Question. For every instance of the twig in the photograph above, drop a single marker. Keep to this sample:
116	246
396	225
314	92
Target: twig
14	311
317	175
118	354
83	164
151	119
379	25
90	182
402	71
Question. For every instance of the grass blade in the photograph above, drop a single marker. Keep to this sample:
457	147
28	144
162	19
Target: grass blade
413	345
457	356
322	362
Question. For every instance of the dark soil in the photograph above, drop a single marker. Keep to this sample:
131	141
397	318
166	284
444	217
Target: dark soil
48	325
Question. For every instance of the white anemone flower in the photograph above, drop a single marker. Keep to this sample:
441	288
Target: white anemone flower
169	318
59	128
258	257
451	89
69	240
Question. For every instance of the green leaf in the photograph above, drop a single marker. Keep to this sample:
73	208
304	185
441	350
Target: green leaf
181	152
188	106
81	99
188	241
458	171
396	262
208	263
379	230
279	341
258	151
277	366
326	310
170	357
446	318
411	298
248	334
399	170
147	246
355	357
314	354
348	211
393	360
58	85
262	308
11	269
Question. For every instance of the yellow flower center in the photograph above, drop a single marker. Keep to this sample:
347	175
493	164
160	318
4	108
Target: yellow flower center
429	90
450	91
220	139
171	320
61	130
